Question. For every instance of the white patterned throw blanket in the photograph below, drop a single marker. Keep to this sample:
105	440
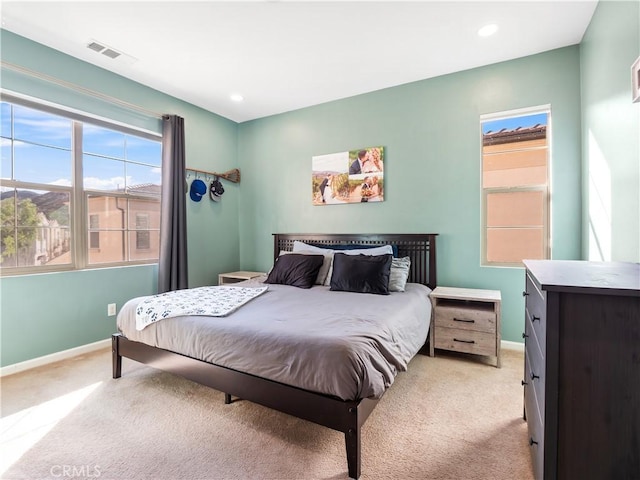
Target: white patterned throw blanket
205	301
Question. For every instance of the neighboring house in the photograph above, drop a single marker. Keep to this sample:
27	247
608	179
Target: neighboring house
144	222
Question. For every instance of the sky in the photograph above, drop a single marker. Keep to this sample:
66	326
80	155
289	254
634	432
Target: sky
514	122
42	152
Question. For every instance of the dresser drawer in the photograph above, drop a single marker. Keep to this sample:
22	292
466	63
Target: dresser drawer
467	341
536	311
537	331
535	428
460	317
535	374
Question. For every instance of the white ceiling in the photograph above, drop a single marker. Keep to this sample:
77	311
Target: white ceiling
281	56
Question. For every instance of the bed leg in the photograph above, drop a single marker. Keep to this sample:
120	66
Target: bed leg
116	358
227	398
352	439
431	340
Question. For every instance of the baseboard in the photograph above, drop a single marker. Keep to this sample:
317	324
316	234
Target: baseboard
507	345
54	357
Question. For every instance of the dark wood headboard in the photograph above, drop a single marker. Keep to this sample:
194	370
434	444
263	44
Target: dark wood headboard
419	247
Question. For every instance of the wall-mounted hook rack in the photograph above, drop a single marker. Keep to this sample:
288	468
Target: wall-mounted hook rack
231	175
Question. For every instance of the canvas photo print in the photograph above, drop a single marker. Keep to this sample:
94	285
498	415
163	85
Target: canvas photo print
355	176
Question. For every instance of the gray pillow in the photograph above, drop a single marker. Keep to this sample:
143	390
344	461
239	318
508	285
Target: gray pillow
399	274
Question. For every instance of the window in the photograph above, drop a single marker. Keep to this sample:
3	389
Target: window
515	186
75	191
121	178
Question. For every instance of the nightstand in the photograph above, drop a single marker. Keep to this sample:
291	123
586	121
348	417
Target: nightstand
235	277
467	320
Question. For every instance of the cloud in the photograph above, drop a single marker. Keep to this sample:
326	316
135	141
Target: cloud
37	126
108	184
62	182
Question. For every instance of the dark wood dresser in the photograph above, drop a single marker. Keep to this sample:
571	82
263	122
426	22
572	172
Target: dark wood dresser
582	369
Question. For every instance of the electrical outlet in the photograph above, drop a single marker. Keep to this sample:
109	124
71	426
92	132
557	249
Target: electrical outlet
111	309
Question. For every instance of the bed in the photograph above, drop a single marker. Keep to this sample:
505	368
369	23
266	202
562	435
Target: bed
347	392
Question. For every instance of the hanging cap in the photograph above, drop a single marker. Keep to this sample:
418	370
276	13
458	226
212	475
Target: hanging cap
198	189
216	190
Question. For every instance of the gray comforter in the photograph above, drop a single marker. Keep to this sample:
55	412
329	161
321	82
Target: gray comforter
349	345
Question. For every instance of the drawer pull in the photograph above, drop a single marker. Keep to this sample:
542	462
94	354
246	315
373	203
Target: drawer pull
463	320
532	441
464	341
523	383
535	318
534	376
524	294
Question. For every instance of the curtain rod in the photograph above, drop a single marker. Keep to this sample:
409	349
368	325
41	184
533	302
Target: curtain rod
78	88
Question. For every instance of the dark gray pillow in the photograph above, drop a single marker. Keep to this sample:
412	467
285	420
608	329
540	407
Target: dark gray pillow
361	273
296	270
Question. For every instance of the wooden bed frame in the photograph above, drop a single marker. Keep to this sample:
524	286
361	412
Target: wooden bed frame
344	416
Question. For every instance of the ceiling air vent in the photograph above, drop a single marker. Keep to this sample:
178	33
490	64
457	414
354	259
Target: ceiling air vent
95	46
110	53
103	49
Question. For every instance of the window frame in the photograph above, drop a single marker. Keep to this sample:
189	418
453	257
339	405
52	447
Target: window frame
79	218
544	188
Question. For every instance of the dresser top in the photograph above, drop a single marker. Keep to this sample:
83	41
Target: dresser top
619	278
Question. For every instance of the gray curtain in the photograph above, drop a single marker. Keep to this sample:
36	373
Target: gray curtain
172	268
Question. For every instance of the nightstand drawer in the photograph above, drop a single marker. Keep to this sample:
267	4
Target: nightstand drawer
483	320
467	341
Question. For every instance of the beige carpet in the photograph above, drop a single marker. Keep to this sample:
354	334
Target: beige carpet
449	417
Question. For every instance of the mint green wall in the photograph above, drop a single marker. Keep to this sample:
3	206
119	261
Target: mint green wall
611	134
42	314
431	133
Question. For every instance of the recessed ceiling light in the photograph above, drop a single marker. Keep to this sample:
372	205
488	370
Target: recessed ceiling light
236	97
488	30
